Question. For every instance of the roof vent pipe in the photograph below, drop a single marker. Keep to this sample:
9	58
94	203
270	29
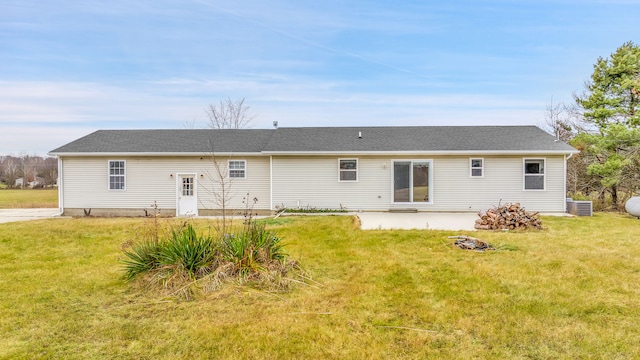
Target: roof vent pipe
359	134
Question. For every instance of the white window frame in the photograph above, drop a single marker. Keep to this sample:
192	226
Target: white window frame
430	180
341	171
244	169
124	175
543	174
471	168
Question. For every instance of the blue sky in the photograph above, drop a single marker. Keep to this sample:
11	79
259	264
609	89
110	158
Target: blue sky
70	68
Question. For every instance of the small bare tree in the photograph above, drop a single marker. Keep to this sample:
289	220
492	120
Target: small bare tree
219	184
229	114
565	121
2	168
49	171
562	120
27	167
11	170
223	195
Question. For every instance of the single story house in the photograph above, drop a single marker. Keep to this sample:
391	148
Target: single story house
37	181
419	168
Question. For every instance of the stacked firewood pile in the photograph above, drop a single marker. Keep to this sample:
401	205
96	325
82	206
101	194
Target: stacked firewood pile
508	216
465	242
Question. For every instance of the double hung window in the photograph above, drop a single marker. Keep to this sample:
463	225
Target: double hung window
477	167
117	174
237	169
534	174
348	169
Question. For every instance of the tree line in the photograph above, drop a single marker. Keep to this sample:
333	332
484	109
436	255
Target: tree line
32	169
603	122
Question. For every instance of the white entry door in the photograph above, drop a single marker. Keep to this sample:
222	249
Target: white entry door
187	203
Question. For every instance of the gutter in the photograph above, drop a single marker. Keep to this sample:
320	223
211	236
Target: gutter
438	152
318	153
164	154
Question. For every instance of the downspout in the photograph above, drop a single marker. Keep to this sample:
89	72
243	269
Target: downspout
565	180
60	187
271	182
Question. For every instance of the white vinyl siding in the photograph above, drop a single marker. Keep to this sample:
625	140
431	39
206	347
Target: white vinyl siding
312	182
152	179
502	182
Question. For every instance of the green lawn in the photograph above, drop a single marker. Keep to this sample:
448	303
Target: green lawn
570	291
14	198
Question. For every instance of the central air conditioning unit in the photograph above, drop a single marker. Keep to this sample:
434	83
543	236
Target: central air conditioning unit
579	207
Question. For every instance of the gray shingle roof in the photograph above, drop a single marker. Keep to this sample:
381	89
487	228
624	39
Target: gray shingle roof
416	138
321	139
169	141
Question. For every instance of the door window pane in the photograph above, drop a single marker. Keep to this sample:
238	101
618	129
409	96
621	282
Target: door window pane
187	186
420	182
401	181
411	181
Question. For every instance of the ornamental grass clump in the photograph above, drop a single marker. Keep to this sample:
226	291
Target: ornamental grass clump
184	260
253	249
256	256
184	255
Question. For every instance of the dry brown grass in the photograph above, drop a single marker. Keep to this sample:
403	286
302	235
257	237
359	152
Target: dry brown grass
570	291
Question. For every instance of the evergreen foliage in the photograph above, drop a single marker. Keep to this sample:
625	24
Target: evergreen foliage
612	103
613	94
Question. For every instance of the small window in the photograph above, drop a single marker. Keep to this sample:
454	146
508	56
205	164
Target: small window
348	169
477	167
237	169
534	174
117	175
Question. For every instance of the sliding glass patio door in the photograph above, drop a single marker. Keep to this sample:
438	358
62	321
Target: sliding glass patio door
411	180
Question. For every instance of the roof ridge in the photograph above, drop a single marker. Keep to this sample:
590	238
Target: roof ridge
328	139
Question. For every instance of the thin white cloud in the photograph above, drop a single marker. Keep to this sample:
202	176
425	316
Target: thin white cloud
149	64
80	102
38	139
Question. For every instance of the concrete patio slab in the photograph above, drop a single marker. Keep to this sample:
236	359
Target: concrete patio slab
420	221
11	215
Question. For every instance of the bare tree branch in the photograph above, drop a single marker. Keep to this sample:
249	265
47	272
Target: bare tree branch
190	124
229	114
562	120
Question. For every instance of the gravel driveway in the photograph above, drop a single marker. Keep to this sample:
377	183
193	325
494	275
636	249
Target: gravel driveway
11	215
